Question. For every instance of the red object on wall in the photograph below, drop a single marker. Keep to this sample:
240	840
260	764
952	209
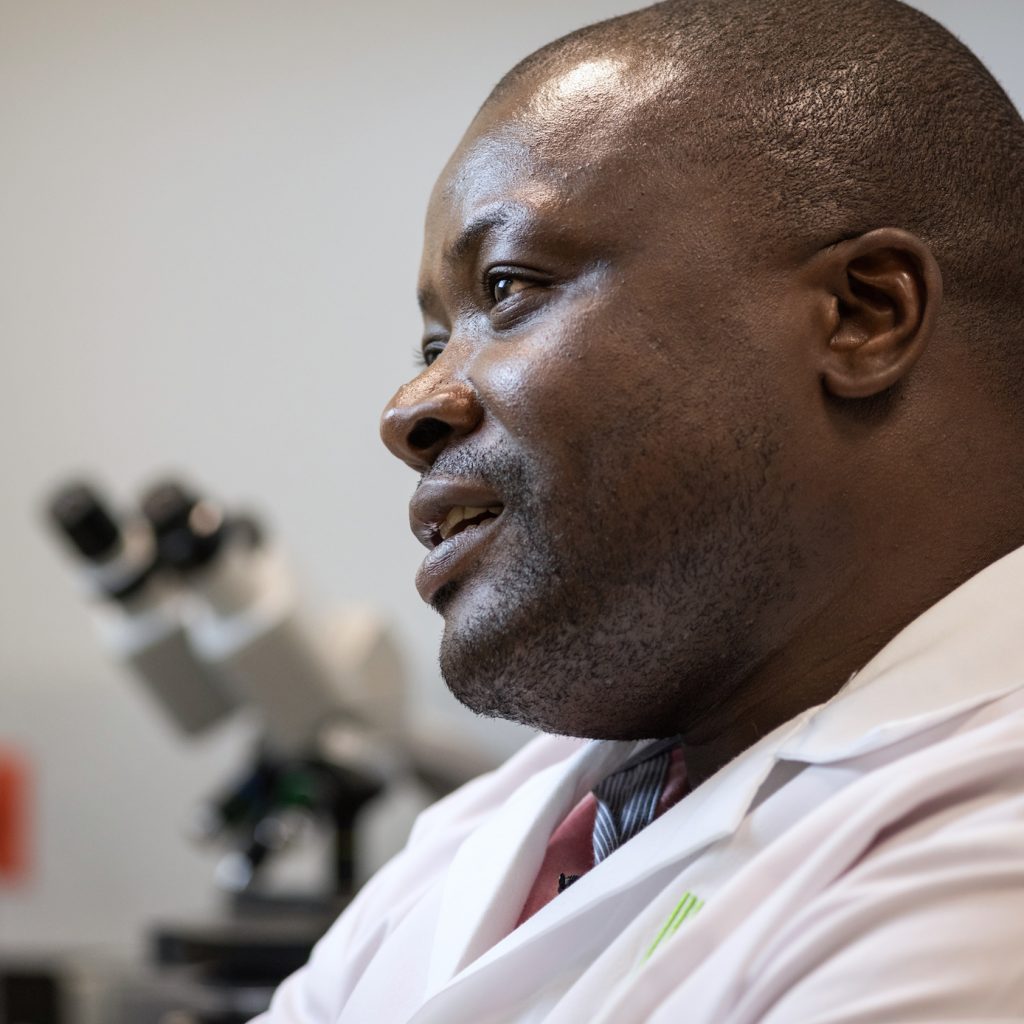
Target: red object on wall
14	817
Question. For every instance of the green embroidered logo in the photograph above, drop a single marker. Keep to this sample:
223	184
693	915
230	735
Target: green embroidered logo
686	907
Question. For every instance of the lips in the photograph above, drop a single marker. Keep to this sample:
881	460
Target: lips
453	519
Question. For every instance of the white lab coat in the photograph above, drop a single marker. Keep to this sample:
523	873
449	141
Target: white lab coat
863	863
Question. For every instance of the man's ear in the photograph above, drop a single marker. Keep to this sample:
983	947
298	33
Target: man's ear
884	290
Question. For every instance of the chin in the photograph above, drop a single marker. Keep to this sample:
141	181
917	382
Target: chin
538	679
572	654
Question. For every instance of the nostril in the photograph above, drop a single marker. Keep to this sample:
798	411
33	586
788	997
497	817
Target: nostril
427	433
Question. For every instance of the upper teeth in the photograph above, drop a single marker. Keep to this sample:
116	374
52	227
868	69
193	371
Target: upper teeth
460	514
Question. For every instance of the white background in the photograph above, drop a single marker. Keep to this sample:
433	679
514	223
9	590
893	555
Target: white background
210	218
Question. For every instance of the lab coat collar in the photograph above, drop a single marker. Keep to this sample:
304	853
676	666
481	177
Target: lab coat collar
962	653
713	811
490	876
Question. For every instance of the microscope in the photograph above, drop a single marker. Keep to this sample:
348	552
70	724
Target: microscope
203	609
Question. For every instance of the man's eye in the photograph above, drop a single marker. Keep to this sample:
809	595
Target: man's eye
505	287
430	351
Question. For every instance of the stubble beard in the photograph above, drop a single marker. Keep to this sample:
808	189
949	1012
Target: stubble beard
609	640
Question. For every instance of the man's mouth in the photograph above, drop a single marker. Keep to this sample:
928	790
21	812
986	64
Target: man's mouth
465	517
455	520
444	507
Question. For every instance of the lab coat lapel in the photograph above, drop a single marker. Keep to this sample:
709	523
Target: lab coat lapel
490	876
585	914
708	814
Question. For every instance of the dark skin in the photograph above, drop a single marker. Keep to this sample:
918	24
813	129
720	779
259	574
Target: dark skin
710	516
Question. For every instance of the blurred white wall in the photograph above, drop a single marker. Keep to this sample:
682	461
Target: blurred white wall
209	229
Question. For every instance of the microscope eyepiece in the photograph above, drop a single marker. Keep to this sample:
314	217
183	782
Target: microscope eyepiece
120	555
82	516
189	530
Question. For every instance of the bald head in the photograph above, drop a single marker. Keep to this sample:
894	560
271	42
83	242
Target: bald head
826	119
722	334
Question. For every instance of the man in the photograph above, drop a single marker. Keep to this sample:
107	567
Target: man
720	442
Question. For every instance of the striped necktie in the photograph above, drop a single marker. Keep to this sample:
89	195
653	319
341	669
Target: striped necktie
628	799
624	803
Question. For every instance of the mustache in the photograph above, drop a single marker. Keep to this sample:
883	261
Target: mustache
498	467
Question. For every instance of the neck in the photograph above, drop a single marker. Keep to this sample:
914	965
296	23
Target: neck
884	595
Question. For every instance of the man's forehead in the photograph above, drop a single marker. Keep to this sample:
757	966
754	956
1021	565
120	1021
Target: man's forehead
493	165
544	141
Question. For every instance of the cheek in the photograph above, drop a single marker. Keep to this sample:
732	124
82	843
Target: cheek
598	431
519	381
587	362
543	386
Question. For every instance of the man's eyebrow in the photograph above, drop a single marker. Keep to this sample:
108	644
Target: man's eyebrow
424	298
469	237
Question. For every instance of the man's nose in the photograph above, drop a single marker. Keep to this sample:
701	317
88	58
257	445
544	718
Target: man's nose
422	420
